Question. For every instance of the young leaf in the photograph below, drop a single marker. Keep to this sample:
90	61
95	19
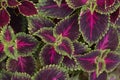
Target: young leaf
27	8
76	3
68	27
13	3
87	62
22	64
111	61
7	35
109	41
47	35
64	47
91	27
4	17
2	53
21	76
49	55
50	73
102	76
38	22
80	48
50	8
58	2
26	44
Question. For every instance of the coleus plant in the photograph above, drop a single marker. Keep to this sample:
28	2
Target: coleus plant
66	40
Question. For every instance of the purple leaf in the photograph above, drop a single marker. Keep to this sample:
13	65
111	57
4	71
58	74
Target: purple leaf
4	17
87	61
2	53
118	21
7	34
107	6
114	16
49	55
76	3
22	64
80	48
50	8
27	8
91	27
102	76
68	27
13	3
38	22
21	76
50	73
47	35
109	41
26	44
111	61
70	63
65	47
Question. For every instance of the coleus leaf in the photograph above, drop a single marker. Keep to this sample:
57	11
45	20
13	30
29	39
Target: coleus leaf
87	61
102	76
49	55
26	44
8	35
114	16
80	48
13	3
111	60
91	27
70	63
4	17
50	72
109	41
64	46
58	2
22	64
68	27
51	9
76	3
47	35
107	6
2	53
27	8
5	75
38	22
21	76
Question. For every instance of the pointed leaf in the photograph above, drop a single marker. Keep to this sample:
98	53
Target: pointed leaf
2	53
49	55
109	41
50	8
22	64
4	17
80	48
13	3
102	76
76	3
38	22
68	27
91	27
87	61
111	61
50	72
47	35
27	8
7	35
65	47
58	2
26	44
21	76
107	6
70	63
